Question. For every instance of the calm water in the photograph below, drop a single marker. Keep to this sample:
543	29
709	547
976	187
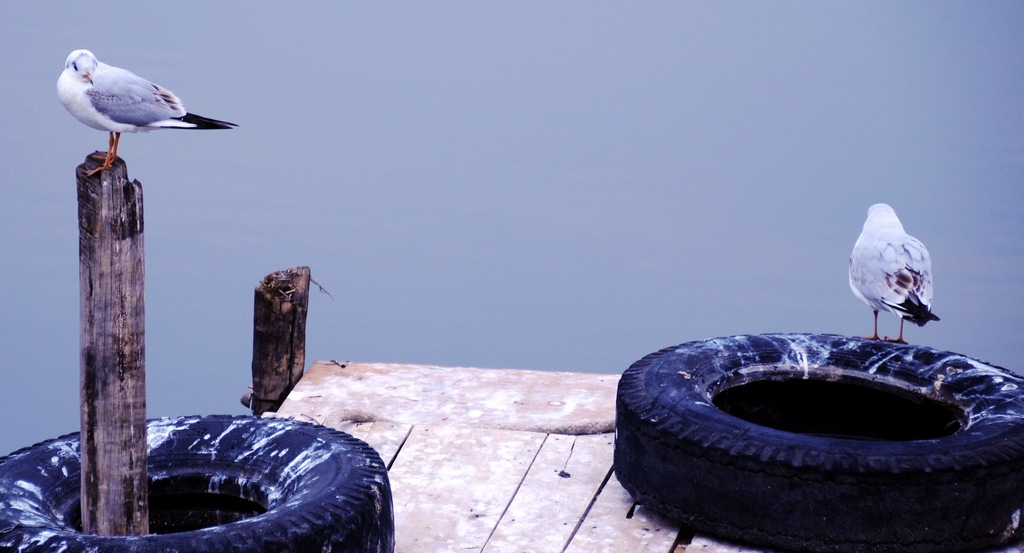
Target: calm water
558	187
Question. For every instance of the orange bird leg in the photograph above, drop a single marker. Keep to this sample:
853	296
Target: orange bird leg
875	335
108	160
900	339
110	145
117	140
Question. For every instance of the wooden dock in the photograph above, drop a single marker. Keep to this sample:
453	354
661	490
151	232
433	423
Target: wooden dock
493	461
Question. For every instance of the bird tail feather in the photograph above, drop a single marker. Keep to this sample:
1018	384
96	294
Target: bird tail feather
193	121
913	310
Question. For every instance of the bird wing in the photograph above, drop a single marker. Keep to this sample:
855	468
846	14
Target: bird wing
888	271
126	98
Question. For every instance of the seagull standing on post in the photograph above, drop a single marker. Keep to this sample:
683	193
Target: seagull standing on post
116	100
891	270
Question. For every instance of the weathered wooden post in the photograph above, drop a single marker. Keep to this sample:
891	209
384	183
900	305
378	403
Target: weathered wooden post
112	352
279	338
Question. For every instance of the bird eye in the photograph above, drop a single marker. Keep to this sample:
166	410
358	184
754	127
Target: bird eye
74	66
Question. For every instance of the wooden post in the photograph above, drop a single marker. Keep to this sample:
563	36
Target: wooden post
115	499
279	338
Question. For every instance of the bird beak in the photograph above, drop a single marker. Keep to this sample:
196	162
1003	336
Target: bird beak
88	77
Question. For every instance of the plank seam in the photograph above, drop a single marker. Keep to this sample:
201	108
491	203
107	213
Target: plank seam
586	512
516	492
401	445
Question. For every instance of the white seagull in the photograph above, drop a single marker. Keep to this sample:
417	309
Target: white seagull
891	270
116	100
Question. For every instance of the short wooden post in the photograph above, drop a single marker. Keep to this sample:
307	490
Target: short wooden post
279	338
115	499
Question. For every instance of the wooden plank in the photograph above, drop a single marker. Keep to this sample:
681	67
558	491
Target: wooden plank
460	488
533	401
707	544
451	485
607	529
559	487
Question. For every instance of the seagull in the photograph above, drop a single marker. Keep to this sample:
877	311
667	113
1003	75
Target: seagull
116	100
891	270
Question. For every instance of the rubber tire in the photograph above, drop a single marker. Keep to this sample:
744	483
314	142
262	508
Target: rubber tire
677	453
322	490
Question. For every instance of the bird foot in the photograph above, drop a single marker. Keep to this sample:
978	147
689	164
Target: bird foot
872	337
899	340
108	162
103	167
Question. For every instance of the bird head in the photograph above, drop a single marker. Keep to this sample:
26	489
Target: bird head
81	63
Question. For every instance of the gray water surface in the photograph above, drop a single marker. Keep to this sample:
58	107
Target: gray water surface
555	186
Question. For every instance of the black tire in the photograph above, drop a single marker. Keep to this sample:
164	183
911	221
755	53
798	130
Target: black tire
825	443
217	483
